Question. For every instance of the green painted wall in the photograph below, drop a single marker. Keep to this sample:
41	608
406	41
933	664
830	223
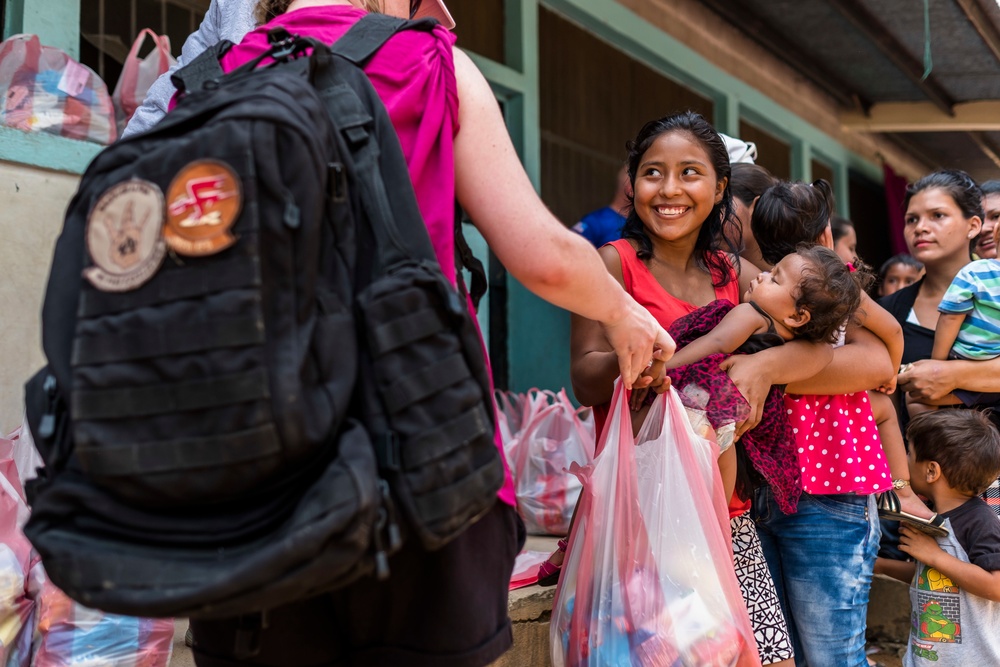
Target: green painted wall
56	22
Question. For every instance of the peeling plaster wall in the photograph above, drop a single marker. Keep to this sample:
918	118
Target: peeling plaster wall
726	47
32	205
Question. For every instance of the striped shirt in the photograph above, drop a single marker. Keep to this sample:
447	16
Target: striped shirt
976	291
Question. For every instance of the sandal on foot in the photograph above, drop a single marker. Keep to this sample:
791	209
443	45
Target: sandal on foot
548	572
890	508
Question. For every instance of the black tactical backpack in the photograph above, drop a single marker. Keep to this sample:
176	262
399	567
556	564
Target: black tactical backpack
253	356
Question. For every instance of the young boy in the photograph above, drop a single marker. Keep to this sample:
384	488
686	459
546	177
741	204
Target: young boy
955	583
967	328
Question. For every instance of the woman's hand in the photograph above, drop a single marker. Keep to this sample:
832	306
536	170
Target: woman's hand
753	379
927	379
642	346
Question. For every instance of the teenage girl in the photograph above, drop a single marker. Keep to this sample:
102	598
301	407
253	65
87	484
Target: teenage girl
822	556
673	259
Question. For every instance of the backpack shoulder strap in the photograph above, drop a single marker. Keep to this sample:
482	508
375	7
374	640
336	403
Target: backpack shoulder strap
205	67
465	259
369	34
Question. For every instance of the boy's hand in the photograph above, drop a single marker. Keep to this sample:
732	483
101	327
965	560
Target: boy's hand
922	547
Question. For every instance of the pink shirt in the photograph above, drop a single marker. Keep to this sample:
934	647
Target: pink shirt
837	443
414	74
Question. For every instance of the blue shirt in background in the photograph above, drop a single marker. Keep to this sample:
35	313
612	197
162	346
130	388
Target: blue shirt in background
601	226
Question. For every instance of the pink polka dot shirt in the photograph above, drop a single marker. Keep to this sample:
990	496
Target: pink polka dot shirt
837	444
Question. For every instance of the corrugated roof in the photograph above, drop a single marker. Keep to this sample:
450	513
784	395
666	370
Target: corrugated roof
873	51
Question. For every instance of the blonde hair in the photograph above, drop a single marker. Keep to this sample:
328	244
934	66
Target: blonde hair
269	9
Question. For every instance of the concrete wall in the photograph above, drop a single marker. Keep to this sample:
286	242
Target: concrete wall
32	204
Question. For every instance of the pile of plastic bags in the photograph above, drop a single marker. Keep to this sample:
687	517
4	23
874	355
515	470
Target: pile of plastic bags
544	434
39	625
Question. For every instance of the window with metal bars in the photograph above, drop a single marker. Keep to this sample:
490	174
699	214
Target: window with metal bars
108	28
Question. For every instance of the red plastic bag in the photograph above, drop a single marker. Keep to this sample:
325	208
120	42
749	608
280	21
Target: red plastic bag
556	436
648	579
44	90
138	74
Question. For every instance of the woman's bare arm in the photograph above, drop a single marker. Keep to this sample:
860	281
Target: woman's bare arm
593	366
754	374
551	261
862	364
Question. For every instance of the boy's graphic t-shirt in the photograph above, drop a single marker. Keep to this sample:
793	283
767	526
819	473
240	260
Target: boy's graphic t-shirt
949	627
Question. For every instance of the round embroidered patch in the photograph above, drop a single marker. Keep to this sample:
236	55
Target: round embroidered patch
203	202
124	236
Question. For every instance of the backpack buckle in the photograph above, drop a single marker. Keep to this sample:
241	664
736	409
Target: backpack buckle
282	43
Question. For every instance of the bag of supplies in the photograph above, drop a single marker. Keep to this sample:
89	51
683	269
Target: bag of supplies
138	74
44	90
555	436
648	578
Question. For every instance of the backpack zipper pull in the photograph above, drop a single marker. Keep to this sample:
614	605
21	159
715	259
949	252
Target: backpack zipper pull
381	557
393	532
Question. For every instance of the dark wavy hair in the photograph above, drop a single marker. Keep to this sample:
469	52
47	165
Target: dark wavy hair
749	181
788	214
959	185
829	290
991	187
902	258
965	443
710	238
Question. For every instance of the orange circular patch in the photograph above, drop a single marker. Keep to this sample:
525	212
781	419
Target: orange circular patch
203	202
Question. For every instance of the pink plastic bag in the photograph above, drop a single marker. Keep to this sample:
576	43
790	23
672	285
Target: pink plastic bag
44	90
39	625
138	74
648	579
556	436
16	561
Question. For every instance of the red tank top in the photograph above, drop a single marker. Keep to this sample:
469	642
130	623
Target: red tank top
665	307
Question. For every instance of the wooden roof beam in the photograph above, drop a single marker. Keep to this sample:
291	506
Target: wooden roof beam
775	42
868	24
980	20
982	116
987	146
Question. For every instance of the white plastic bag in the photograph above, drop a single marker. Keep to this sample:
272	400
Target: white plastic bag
648	579
555	436
138	74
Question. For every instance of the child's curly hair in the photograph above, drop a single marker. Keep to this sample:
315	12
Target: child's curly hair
829	290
